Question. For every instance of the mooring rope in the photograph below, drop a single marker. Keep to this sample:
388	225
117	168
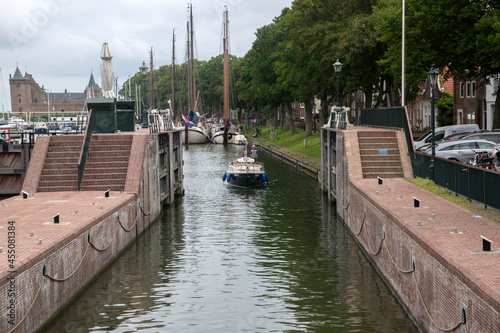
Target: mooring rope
133	225
394	262
111	242
29	309
362	224
427	311
74	271
379	246
146	214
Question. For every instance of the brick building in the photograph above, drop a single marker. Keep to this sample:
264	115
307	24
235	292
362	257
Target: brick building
27	96
469	102
24	92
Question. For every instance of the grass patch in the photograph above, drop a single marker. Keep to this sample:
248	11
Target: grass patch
293	144
475	207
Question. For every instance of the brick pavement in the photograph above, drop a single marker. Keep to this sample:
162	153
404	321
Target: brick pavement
460	250
34	221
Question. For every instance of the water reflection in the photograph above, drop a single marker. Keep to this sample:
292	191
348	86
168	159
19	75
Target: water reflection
226	259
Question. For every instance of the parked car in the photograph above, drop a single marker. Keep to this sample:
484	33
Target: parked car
441	132
461	151
493	136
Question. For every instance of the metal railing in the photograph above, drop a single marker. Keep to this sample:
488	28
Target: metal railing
472	182
91	125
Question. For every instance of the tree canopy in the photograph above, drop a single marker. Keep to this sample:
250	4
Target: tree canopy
291	58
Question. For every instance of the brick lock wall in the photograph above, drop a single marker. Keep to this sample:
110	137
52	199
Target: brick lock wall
444	290
62	262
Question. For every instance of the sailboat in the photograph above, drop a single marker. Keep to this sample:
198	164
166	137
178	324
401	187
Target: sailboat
226	133
197	131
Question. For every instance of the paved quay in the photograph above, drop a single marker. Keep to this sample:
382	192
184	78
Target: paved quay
449	232
37	236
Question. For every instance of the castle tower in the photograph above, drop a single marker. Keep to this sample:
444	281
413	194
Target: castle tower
24	92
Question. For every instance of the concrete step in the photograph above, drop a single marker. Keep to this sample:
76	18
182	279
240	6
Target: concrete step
69	148
378	134
93	171
107	158
371	151
115	187
106	148
380	163
377	157
106	165
57	189
110	153
103	182
379	145
52	166
106	176
383	175
58	183
61	177
69	171
379	169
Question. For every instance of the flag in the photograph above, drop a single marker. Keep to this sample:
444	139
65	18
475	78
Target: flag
186	121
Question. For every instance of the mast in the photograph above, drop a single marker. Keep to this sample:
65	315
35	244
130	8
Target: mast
189	71
193	90
173	76
226	67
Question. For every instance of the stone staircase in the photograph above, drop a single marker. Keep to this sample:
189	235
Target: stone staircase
379	154
107	164
60	169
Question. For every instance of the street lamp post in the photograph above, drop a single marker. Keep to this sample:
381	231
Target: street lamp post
144	71
433	77
338	67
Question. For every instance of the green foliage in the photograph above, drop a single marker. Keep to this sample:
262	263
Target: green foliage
445	109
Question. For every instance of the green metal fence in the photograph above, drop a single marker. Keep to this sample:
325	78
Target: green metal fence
472	182
91	125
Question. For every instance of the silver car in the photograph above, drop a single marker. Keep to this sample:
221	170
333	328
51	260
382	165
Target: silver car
462	150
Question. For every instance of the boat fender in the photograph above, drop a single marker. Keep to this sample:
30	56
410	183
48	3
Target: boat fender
224	176
266	178
228	177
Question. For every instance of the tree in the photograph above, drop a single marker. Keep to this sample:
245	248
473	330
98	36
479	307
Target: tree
445	109
462	36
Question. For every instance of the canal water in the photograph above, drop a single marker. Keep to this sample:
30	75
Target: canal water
225	259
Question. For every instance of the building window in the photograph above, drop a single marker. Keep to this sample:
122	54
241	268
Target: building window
460	117
302	105
473	88
461	90
471	116
468	89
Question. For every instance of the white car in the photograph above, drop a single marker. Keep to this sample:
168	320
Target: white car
462	150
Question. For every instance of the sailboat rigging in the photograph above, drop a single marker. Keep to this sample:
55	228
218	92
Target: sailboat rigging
227	133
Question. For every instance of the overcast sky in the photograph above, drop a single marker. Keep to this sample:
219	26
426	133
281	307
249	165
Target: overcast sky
59	41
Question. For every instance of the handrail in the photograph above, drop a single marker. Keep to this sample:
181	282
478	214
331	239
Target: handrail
85	147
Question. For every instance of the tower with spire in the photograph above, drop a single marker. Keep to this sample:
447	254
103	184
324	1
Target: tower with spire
24	92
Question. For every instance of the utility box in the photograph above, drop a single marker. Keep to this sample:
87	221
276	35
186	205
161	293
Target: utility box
125	116
104	110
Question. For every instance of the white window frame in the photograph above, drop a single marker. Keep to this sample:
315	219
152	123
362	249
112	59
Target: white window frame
473	89
460	117
462	89
467	89
471	116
